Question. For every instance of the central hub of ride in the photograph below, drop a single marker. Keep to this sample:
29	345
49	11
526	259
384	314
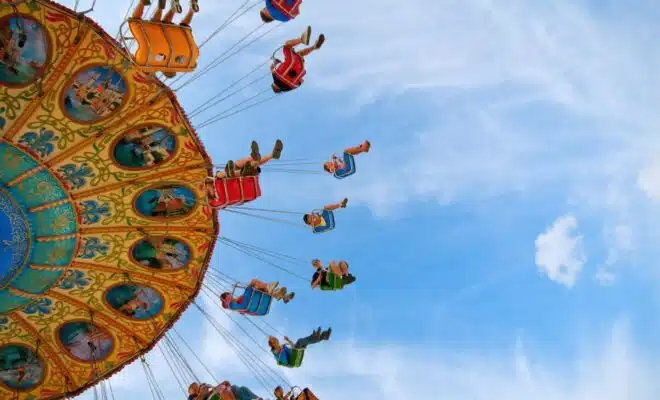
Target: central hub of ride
14	237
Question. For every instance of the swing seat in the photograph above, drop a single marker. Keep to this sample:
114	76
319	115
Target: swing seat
348	170
333	282
253	302
234	191
163	47
296	359
329	218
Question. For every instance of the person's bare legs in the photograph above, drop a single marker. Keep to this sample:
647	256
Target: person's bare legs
293	42
334	268
139	9
355	150
174	9
275	155
343	266
262	286
194	8
158	14
332	207
319	42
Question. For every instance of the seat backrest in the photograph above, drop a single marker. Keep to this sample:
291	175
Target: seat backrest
296	359
251	188
347	171
151	43
163	47
184	50
259	303
329	218
246	297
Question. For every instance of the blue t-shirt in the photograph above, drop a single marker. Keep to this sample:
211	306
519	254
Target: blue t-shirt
277	14
283	356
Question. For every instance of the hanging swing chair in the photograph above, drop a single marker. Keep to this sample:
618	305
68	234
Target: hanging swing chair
161	46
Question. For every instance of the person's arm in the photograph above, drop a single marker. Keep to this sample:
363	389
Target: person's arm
286	339
317	281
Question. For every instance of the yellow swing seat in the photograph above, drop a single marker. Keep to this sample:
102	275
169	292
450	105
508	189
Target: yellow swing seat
163	47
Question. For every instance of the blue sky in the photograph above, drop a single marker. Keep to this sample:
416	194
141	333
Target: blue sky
503	228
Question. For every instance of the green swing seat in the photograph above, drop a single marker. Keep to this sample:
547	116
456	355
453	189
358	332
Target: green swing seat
332	282
296	359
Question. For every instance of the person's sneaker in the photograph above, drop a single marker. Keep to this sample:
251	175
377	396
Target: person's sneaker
305	36
176	4
326	335
146	2
194	4
229	169
280	293
277	150
254	151
319	41
344	203
272	286
289	297
367	146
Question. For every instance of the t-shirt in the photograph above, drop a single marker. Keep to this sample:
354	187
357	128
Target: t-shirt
283	356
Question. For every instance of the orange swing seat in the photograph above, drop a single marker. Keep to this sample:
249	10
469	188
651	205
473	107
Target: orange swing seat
163	47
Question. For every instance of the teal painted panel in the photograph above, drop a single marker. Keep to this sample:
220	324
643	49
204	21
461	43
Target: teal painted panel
36	281
38	189
14	162
60	220
9	302
58	253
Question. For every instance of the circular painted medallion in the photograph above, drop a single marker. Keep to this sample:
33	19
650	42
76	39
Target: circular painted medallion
85	341
24	50
93	94
161	253
144	147
20	368
135	301
165	202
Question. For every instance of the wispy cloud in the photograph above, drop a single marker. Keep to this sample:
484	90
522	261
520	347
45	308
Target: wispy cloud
609	368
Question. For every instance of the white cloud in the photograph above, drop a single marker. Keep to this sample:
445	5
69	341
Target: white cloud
607	367
649	180
560	251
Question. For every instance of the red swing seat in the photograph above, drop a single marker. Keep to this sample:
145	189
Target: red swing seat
234	191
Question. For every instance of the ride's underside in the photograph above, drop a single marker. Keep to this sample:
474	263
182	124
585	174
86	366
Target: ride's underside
102	179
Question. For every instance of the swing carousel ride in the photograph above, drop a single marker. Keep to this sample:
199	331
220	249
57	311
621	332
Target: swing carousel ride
109	204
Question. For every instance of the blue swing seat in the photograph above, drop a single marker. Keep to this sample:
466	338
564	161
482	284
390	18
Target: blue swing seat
348	170
253	302
329	218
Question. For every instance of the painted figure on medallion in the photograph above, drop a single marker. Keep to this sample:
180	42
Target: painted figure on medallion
23	50
85	342
166	201
94	94
135	301
144	147
20	368
161	253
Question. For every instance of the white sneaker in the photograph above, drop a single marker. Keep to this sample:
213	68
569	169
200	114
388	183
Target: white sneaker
306	35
